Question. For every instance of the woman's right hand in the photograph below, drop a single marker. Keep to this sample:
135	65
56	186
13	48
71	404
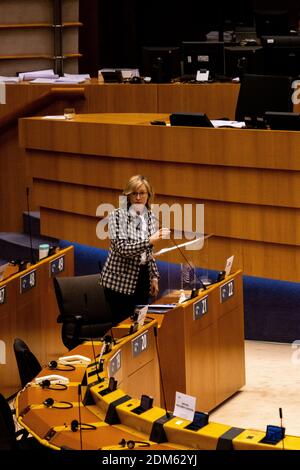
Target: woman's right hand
161	233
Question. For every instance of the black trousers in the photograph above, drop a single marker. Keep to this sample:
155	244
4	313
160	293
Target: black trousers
122	305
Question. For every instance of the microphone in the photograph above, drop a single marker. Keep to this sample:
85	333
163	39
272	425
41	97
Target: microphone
160	374
29	226
85	314
280	417
194	292
78	424
79	416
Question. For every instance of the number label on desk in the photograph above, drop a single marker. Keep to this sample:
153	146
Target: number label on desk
28	281
2	295
226	291
57	266
114	364
139	344
200	308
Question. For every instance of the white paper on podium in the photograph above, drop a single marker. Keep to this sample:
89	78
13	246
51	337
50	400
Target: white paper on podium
228	266
77	76
48	73
60	116
175	247
224	123
142	315
185	406
9	79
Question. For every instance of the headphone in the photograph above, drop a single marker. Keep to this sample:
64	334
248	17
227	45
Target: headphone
49	403
47	384
131	444
52	365
75	425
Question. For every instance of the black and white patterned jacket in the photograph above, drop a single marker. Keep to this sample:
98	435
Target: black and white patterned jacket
127	243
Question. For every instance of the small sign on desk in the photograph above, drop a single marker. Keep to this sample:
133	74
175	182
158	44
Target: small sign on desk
2	295
28	281
114	364
226	291
139	344
200	308
57	266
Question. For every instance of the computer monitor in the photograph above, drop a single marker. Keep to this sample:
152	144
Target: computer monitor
261	93
281	55
161	63
282	121
271	22
203	55
243	59
190	120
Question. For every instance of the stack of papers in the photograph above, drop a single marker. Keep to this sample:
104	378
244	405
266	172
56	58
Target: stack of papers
49	73
225	123
9	79
77	76
57	80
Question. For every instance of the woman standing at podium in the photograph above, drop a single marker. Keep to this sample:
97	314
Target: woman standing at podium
130	274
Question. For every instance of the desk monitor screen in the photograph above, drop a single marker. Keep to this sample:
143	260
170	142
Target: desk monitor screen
112	76
283	121
190	120
162	64
261	93
243	59
203	55
281	55
271	22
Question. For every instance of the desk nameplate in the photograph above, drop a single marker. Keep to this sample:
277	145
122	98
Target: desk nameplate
57	266
226	291
27	281
2	295
139	344
115	364
200	308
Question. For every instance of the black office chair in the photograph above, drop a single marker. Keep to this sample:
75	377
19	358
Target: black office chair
261	93
27	363
10	439
84	311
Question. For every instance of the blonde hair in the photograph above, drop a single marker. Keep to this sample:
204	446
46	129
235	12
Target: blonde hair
133	185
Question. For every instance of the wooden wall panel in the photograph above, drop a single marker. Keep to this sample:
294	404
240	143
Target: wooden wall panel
253	211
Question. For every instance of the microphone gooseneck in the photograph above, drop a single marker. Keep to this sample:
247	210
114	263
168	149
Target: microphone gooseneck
160	373
86	310
194	291
79	414
280	416
29	226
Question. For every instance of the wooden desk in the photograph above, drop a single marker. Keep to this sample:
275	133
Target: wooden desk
137	372
214	99
204	357
248	181
53	426
32	317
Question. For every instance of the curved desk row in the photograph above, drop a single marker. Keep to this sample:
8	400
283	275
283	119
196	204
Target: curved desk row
28	310
108	419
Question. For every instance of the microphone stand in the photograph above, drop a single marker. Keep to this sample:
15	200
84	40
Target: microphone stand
79	415
29	226
194	292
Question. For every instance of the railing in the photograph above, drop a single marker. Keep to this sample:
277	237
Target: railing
11	119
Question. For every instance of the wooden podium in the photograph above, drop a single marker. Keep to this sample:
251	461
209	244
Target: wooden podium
201	345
